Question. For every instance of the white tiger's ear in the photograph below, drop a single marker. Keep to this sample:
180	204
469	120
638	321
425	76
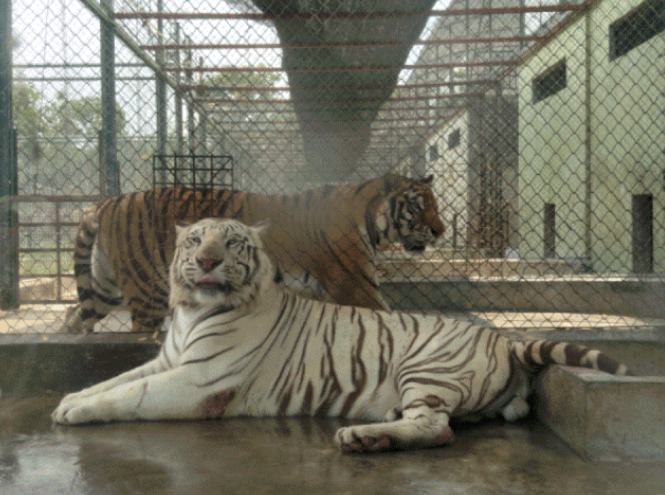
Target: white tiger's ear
180	232
261	228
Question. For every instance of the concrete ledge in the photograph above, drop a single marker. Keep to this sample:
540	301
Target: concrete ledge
640	296
32	366
603	417
404	266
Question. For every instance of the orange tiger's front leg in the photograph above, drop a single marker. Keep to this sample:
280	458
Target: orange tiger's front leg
354	293
148	315
350	280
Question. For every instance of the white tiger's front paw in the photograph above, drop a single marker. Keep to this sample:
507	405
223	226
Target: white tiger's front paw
77	410
401	434
71	397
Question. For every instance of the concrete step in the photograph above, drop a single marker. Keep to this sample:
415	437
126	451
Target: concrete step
436	264
604	417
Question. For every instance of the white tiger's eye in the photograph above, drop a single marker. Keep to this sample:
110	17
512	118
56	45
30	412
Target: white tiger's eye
233	242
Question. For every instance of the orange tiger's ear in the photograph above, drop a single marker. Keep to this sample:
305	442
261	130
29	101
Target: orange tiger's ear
261	228
428	179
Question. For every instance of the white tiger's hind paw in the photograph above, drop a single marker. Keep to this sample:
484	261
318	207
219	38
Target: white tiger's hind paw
393	414
517	408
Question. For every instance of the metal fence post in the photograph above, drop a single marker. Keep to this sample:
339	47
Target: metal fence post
161	95
8	166
110	182
180	145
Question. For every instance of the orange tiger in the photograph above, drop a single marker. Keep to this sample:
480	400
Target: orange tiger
322	240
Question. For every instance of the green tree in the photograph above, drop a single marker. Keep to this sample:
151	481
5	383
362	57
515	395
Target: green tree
81	116
28	117
242	85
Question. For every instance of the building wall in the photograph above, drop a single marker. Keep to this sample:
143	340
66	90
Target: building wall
593	145
552	149
451	185
492	160
475	180
628	140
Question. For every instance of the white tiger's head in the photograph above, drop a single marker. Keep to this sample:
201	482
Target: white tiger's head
218	262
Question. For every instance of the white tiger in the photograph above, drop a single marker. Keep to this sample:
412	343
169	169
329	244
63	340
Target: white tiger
241	345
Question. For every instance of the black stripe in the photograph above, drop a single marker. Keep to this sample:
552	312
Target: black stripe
209	357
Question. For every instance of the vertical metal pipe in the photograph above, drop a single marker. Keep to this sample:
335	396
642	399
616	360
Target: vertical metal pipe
161	97
110	180
178	98
58	251
190	110
202	147
9	296
522	26
588	191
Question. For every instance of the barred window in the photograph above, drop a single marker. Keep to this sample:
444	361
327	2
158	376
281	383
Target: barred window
549	230
550	82
640	25
642	233
433	153
454	139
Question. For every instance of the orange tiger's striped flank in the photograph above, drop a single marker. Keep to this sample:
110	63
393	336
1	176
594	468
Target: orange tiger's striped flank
324	242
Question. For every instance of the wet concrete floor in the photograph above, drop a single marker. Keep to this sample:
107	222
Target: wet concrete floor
292	456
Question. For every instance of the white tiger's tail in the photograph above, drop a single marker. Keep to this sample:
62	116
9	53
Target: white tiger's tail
535	354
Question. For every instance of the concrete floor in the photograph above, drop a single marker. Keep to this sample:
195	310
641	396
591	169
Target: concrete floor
293	456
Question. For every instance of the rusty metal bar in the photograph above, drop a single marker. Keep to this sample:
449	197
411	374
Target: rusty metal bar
453	65
289	111
52	198
345	15
59	249
354	100
275	89
345	44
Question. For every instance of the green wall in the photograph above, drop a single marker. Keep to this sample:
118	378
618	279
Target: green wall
623	118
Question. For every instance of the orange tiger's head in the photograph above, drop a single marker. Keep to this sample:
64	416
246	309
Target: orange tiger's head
410	214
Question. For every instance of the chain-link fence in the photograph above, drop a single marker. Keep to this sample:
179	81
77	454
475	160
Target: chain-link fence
542	123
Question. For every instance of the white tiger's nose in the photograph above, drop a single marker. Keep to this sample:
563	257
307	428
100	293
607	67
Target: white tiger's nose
207	264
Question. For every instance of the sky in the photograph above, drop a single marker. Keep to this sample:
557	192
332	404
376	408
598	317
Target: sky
65	32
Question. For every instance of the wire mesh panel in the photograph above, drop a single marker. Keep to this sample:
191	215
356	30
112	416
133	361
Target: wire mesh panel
541	123
195	171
